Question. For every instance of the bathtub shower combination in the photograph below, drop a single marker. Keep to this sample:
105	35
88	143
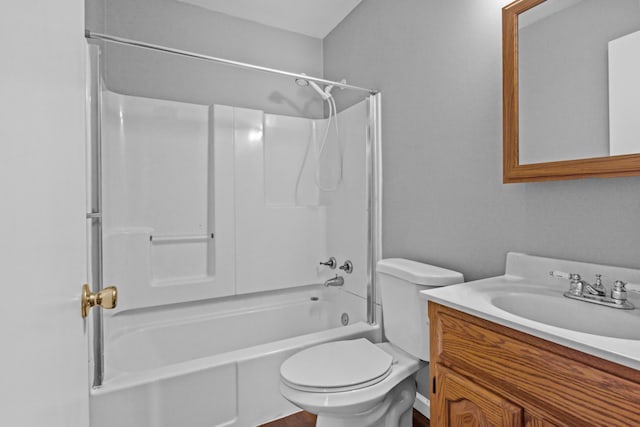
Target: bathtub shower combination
214	220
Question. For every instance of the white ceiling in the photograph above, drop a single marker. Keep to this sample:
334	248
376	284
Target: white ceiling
315	18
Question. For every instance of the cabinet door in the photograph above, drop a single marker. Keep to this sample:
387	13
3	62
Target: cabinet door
533	421
460	402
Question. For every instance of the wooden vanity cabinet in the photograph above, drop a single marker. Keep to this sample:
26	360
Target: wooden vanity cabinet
484	374
465	400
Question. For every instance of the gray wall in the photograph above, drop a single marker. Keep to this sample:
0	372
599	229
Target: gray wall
170	23
438	64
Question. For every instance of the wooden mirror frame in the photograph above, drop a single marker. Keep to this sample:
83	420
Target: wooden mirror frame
513	171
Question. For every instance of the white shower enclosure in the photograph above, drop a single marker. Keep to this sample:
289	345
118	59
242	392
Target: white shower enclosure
211	221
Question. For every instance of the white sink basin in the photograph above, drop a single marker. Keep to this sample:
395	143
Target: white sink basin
556	310
528	299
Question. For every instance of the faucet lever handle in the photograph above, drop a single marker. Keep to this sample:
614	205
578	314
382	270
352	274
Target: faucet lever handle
619	284
331	263
619	291
576	285
563	275
347	267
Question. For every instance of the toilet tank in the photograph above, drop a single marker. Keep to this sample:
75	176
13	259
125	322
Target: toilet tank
404	313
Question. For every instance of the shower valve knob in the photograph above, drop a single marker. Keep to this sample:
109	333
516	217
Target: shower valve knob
331	263
347	267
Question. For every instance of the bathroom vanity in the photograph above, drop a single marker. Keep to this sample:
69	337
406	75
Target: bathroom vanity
502	365
499	376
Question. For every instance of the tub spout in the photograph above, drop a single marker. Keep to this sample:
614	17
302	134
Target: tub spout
335	281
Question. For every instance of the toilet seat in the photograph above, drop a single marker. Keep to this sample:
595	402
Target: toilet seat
336	367
357	400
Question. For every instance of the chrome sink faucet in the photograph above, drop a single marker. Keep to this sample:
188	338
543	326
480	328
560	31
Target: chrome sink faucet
597	288
595	293
576	284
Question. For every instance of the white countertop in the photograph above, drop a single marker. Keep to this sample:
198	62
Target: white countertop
529	275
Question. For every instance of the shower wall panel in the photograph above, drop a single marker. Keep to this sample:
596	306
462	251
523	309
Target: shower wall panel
164	192
279	225
210	201
347	206
290	144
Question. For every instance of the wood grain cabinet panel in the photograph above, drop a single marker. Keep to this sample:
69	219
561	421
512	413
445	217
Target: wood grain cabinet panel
467	404
532	421
552	384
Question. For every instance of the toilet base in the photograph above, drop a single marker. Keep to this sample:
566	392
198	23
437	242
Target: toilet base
395	410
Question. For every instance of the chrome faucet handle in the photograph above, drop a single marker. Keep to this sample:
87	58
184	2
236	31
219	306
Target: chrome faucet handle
347	267
619	292
563	275
576	284
331	263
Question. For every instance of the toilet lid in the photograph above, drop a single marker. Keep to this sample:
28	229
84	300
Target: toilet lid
337	366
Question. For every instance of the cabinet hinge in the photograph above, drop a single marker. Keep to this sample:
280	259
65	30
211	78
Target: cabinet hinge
433	386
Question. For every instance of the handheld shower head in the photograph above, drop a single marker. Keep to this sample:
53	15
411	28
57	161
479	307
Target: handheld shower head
328	89
325	94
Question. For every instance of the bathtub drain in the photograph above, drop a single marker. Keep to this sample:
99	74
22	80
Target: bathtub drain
344	319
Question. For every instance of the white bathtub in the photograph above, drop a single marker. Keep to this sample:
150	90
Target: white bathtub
215	363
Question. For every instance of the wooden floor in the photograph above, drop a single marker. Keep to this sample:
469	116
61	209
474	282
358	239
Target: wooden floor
305	419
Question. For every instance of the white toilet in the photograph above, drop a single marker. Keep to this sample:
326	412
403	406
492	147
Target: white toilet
357	383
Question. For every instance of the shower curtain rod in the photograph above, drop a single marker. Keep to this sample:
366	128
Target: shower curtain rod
120	40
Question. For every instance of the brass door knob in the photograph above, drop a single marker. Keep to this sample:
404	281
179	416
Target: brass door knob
106	298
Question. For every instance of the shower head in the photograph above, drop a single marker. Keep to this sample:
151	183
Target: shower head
325	94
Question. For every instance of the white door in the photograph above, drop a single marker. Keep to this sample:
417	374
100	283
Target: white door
43	339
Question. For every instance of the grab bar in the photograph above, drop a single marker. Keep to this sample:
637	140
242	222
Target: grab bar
179	238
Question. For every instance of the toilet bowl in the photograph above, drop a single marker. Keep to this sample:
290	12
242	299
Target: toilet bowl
359	383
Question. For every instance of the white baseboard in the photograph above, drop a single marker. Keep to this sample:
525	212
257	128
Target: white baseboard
422	405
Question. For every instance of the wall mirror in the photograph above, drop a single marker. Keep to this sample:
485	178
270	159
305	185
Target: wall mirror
571	82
